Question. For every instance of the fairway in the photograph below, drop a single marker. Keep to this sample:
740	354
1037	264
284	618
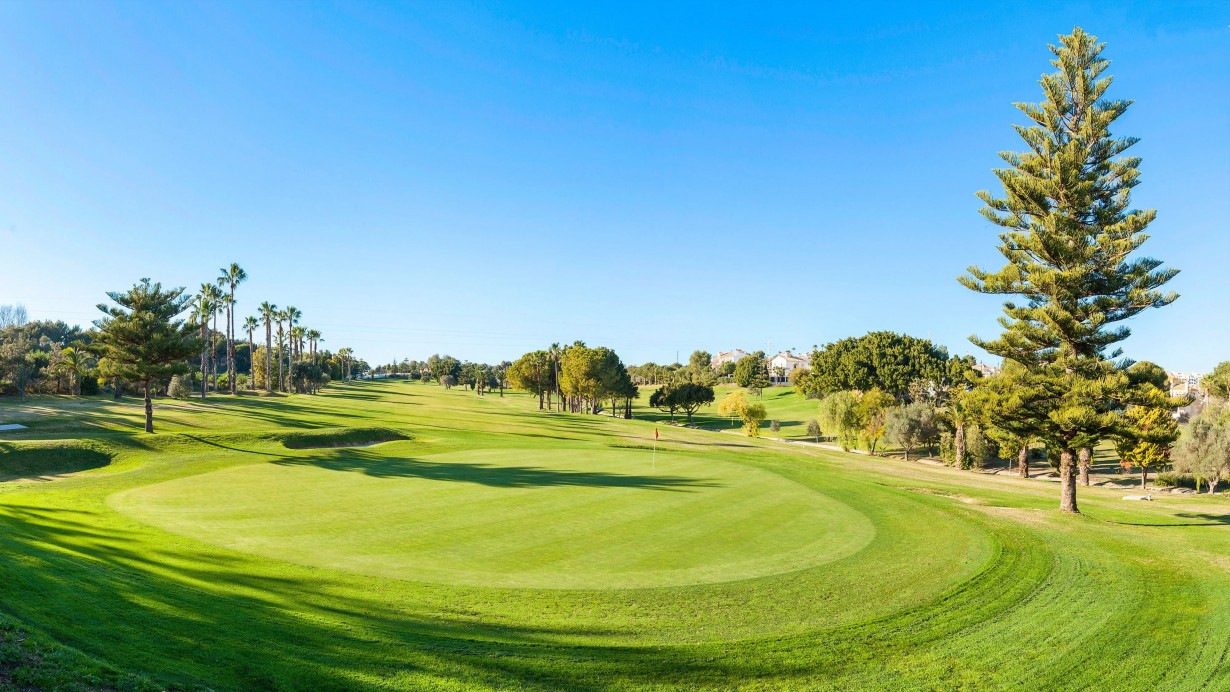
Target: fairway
395	535
511	518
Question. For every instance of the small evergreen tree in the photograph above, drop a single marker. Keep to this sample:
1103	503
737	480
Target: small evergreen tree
178	389
140	340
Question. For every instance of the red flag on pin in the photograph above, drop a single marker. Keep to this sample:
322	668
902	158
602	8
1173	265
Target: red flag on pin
655	433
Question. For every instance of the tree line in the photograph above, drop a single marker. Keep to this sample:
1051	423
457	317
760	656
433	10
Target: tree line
165	341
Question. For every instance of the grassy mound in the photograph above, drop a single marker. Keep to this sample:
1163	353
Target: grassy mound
341	437
31	459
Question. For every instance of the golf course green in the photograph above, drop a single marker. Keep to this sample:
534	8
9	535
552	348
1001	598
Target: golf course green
395	535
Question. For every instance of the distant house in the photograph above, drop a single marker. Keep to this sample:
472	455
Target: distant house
788	362
1183	384
724	357
987	370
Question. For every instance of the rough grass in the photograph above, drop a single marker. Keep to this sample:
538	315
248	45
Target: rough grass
946	580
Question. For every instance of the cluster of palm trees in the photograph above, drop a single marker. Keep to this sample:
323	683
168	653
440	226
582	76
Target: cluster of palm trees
282	329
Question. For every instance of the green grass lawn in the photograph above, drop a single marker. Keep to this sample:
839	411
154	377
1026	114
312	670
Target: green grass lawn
462	543
782	404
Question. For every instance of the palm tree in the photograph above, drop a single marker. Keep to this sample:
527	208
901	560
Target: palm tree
75	362
203	307
313	337
292	317
296	340
345	354
281	317
269	313
249	325
559	395
215	301
231	277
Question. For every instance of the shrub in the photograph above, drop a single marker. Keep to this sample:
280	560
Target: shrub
1178	480
775	425
89	386
178	389
813	429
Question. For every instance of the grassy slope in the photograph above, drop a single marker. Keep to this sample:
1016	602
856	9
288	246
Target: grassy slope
967	581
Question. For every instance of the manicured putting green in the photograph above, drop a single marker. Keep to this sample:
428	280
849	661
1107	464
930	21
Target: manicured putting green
542	518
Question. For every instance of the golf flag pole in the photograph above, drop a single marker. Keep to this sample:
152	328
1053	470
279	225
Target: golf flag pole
655	449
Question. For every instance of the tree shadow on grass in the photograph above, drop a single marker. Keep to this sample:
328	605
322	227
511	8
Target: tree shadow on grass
1194	519
190	616
495	475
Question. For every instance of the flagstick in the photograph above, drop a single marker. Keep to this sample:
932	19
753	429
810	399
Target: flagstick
655	452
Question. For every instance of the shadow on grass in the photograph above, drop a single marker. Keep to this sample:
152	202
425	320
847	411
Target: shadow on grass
1194	519
189	617
495	475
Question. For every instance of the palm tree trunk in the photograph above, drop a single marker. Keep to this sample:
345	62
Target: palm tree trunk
213	350
958	444
230	341
204	371
268	357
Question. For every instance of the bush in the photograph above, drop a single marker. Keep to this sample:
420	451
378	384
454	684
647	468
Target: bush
813	429
89	386
1178	480
775	425
179	389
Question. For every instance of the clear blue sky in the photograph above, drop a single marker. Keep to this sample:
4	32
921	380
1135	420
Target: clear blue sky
486	179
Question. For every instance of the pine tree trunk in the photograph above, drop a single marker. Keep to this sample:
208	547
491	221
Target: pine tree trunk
1022	460
1144	477
1085	457
117	389
149	409
1067	482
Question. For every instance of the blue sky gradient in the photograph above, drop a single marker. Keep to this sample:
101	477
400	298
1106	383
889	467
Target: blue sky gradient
487	179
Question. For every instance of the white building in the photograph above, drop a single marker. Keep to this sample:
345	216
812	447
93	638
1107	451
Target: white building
724	357
788	362
1185	383
987	370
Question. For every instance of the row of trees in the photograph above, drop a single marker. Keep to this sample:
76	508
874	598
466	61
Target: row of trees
144	342
751	371
575	378
294	347
48	357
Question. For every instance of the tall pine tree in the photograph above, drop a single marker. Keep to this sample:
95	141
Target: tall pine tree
1069	230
